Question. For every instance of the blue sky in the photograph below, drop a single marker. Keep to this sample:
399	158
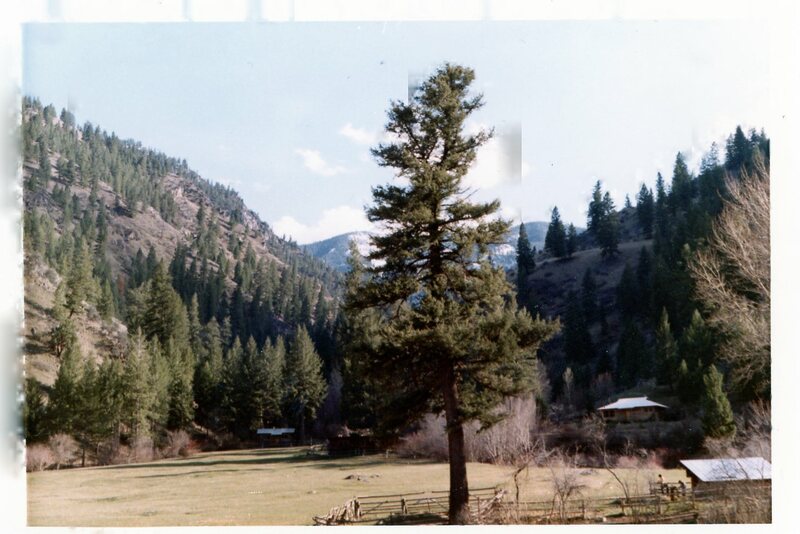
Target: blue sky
286	112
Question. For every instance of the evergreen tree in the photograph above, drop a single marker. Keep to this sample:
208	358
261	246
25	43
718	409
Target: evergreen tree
233	389
686	384
305	386
106	305
138	397
164	314
63	409
645	205
62	335
697	342
254	379
526	263
572	240
34	412
666	352
555	241
661	215
160	378
99	402
195	328
681	191
80	285
737	150
275	370
208	376
596	211
450	340
181	409
608	231
44	174
717	414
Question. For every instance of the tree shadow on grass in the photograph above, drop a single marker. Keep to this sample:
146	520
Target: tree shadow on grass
299	460
188	473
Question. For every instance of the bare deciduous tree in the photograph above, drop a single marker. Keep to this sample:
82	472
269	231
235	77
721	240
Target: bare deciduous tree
732	276
63	448
564	476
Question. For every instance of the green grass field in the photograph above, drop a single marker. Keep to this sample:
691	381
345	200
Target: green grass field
257	487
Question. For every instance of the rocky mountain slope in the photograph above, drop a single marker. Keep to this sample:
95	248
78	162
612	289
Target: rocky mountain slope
132	207
334	250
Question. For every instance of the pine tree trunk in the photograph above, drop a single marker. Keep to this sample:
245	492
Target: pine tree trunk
458	513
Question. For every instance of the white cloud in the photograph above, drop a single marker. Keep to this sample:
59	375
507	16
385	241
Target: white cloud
362	136
498	161
334	221
358	135
509	213
313	161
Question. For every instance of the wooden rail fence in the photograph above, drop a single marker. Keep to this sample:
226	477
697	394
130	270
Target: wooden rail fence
654	507
371	508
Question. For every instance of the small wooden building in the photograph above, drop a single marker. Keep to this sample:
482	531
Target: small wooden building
631	409
275	437
718	472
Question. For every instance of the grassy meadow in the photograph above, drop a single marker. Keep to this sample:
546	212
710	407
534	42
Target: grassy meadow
261	487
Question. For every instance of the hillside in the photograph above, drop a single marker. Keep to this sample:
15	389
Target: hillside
137	207
553	279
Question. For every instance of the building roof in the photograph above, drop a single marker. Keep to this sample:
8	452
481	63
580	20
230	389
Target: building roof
726	469
274	431
631	402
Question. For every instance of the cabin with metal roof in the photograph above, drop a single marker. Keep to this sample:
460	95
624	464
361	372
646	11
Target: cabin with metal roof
722	471
631	409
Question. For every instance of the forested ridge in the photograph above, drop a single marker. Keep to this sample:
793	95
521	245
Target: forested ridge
636	315
155	300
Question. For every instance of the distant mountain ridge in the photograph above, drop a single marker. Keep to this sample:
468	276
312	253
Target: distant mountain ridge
335	250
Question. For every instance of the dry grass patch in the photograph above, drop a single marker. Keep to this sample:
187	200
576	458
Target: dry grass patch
255	487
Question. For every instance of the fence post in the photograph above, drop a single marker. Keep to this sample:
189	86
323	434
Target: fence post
583	509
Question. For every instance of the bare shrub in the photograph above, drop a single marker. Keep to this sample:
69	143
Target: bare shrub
508	441
564	477
142	449
754	437
747	501
121	455
178	444
741	504
105	452
429	441
64	449
38	457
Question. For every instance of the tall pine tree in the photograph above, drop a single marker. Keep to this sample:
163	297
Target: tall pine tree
717	414
555	241
305	385
449	338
